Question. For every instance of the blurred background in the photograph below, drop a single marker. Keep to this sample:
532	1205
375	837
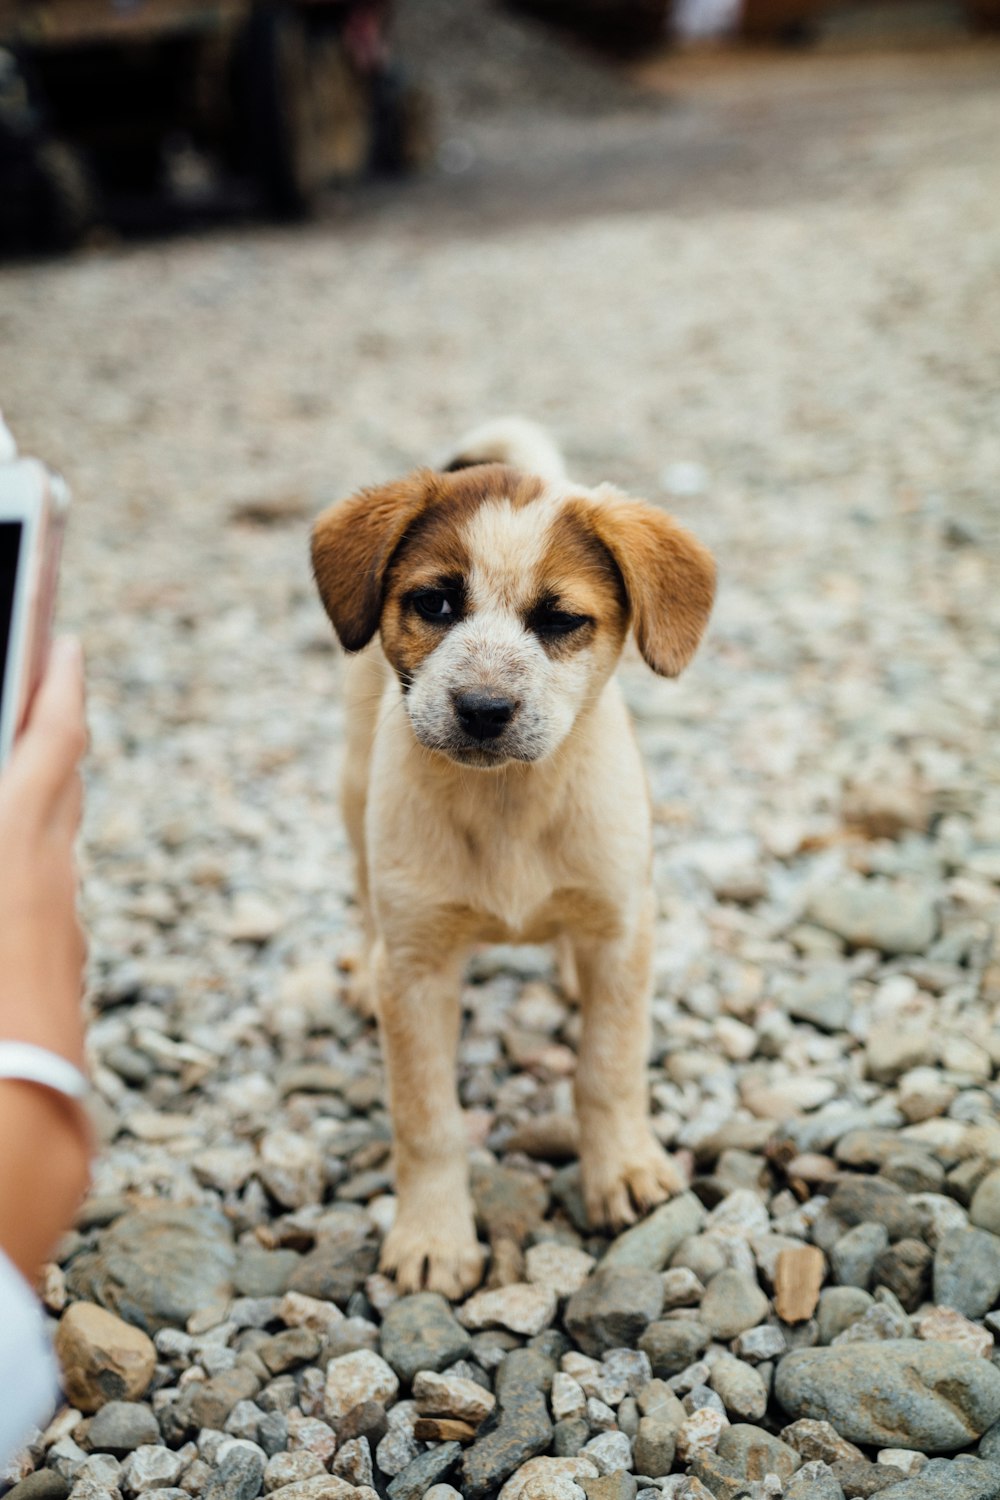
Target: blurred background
743	263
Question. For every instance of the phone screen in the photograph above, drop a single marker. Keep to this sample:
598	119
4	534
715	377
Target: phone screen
11	533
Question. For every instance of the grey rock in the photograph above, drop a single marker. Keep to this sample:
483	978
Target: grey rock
853	1257
156	1266
239	1476
741	1388
754	1452
609	1451
121	1426
208	1403
335	1269
863	1200
427	1470
839	1307
814	1481
672	1346
616	1486
702	1254
860	1479
613	1308
651	1244
760	1344
422	1333
823	998
967	1271
520	1428
656	1444
733	1302
892	916
703	1398
905	1269
984	1210
885	1319
263	1273
989	1445
914	1172
949	1479
44	1484
272	1433
717	1475
907	1394
569	1436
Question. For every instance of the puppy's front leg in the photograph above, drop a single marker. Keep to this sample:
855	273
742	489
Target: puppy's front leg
624	1168
432	1243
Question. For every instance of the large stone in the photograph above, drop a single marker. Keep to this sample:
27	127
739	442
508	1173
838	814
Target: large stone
651	1244
755	1453
935	1398
102	1357
238	1475
967	1272
354	1378
672	1346
156	1266
121	1426
889	915
949	1479
550	1476
521	1307
741	1388
520	1427
428	1469
854	1255
839	1308
732	1303
984	1210
613	1309
863	1200
814	1481
422	1333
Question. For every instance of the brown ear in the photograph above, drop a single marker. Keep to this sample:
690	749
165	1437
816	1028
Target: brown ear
668	575
352	544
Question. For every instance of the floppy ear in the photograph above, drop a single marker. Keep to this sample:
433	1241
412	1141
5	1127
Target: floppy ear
352	544
668	575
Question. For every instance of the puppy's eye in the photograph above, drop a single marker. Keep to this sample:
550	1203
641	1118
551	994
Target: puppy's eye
548	619
437	605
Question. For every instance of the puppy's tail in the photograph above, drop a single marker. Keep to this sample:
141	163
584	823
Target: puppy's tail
509	440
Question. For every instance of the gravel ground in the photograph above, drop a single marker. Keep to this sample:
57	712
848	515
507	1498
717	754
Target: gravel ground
785	330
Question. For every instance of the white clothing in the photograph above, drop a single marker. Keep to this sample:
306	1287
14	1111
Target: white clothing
29	1377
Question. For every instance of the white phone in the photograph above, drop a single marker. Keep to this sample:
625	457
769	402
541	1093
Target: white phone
33	508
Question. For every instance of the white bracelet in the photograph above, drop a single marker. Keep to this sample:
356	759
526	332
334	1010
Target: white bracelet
29	1064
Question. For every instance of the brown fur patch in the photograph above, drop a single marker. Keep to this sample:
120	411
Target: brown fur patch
668	575
409	523
579	575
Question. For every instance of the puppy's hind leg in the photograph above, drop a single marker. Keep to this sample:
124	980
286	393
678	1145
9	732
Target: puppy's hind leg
366	677
625	1170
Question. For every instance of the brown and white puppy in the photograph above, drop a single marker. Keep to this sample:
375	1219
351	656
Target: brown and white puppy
493	792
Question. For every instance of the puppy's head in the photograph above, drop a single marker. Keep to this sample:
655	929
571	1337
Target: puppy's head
503	600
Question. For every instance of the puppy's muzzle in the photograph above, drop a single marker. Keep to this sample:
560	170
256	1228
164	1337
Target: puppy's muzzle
483	716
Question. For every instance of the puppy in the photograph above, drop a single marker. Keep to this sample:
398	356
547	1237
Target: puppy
493	792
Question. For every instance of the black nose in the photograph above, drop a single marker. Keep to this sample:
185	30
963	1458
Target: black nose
482	715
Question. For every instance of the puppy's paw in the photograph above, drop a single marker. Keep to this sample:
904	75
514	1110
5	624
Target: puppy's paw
436	1256
620	1186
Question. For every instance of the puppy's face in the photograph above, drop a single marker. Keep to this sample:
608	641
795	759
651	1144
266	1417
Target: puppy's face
502	616
503	602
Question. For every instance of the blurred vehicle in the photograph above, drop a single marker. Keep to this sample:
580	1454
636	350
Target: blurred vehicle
293	95
624	25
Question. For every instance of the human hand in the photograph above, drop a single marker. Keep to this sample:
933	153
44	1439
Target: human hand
42	948
44	1165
